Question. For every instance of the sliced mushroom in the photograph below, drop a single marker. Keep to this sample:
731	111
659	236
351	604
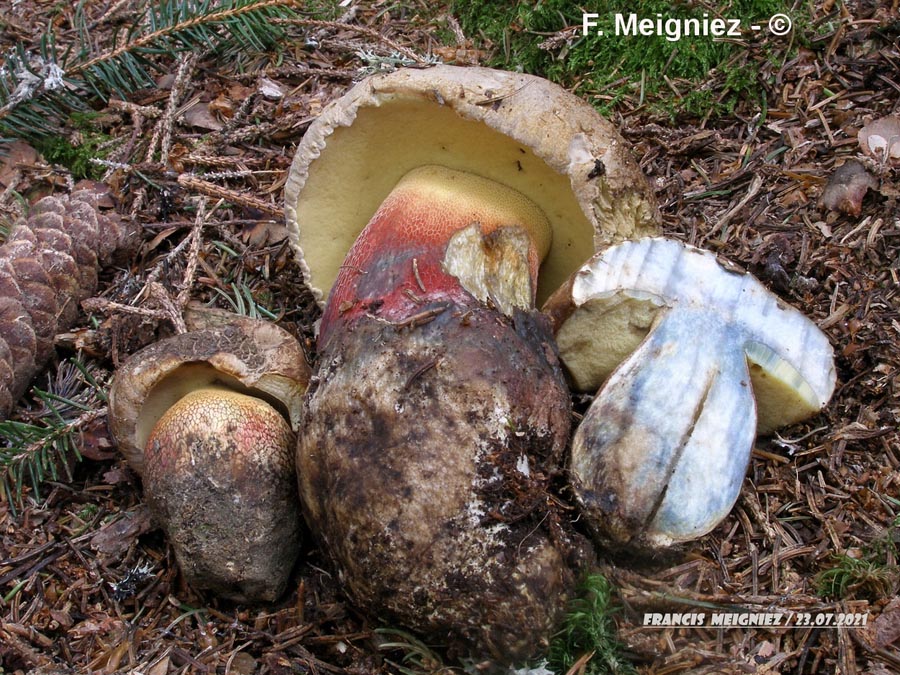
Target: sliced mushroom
694	360
207	419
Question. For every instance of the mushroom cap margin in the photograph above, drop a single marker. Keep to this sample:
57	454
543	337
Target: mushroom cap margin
247	355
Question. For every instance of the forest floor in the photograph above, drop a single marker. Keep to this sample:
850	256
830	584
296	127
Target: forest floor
87	586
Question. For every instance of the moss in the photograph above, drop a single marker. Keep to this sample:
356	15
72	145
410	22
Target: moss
858	577
76	157
873	574
614	66
589	628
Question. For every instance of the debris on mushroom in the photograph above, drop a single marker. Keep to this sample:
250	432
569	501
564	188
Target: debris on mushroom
208	419
881	138
847	188
692	359
438	418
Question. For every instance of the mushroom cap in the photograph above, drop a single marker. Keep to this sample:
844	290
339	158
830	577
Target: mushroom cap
515	129
609	306
246	355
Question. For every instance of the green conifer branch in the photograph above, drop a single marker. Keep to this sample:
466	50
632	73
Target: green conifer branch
40	450
37	90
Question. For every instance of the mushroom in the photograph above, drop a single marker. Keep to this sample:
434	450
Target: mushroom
880	138
694	359
518	130
435	425
847	187
207	419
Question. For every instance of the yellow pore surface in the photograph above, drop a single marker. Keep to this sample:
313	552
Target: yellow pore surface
363	163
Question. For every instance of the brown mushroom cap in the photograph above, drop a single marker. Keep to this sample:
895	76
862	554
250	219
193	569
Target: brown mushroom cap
518	130
246	355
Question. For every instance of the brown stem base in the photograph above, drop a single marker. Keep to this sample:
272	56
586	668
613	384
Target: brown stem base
425	460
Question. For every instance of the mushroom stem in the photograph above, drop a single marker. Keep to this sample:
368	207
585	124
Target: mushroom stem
441	236
645	445
215	479
437	383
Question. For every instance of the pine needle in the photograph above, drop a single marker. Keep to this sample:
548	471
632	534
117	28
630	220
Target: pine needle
38	90
34	452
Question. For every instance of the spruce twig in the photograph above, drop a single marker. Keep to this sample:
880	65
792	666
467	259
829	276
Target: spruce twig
36	90
33	452
191	31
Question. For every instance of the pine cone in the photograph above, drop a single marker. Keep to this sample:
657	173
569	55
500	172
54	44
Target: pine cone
48	265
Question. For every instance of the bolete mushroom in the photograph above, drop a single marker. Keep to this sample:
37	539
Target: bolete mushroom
694	359
436	423
207	419
517	130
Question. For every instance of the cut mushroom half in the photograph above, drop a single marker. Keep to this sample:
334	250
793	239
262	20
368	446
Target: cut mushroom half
517	130
694	360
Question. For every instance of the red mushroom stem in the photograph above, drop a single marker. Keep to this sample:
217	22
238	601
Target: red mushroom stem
438	418
399	263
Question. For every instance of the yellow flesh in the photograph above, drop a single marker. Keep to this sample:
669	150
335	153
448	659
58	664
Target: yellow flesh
362	164
600	334
782	395
495	272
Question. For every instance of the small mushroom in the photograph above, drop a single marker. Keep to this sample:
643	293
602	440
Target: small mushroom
847	188
439	415
206	418
881	138
694	360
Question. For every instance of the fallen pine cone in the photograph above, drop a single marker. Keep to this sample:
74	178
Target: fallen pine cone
48	265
